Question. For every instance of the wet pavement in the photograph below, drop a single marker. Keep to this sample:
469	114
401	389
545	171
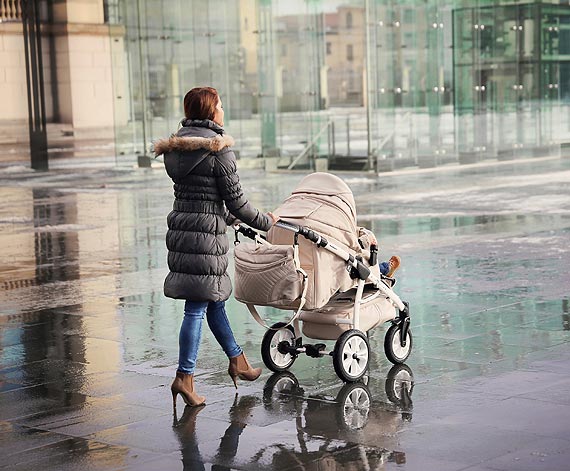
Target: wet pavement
88	343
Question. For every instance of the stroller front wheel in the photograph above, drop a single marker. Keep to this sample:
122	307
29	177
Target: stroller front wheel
393	348
274	359
351	355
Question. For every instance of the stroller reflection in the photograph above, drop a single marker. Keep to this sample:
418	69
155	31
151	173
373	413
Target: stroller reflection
350	430
352	416
353	401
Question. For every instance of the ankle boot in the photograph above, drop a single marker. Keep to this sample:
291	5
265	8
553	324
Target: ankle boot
183	384
240	367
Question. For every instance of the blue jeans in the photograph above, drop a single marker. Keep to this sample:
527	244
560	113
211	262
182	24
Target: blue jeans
191	332
384	267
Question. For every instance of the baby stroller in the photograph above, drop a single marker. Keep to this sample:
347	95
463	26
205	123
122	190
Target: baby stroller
318	263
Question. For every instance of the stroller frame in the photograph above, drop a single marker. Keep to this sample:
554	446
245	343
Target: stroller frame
351	351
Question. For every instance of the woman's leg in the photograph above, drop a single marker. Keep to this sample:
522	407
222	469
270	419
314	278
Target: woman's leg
220	327
190	335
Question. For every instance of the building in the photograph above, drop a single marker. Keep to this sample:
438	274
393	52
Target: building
368	84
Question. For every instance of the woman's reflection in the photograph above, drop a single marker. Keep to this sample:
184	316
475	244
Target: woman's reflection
185	429
239	413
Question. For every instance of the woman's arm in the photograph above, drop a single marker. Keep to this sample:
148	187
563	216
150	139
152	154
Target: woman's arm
227	181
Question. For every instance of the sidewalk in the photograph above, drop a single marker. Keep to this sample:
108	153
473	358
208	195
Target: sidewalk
63	143
88	343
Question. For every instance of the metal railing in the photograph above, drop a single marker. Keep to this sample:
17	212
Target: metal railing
310	145
10	10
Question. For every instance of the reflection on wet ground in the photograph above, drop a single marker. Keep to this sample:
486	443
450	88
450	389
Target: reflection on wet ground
88	343
314	430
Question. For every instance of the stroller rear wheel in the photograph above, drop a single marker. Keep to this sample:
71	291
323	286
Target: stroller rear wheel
393	346
351	355
274	357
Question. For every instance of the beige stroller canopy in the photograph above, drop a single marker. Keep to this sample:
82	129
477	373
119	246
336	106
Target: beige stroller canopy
325	203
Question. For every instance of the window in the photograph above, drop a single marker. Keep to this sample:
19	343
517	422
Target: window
349	20
349	52
283	50
329	49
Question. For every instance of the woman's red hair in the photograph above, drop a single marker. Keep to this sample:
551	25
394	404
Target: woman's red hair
201	103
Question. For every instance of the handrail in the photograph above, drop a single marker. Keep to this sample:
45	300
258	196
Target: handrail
10	10
309	145
407	115
383	143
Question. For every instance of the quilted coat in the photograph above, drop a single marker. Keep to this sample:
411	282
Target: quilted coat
208	197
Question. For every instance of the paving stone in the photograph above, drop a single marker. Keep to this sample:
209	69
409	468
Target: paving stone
89	344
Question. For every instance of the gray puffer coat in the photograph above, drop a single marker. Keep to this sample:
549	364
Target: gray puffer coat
208	196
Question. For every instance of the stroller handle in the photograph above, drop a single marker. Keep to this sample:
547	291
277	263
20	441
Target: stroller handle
246	231
301	230
304	231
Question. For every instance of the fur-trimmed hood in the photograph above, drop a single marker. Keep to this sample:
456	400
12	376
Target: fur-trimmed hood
189	143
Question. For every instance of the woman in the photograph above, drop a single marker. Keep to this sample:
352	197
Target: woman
208	197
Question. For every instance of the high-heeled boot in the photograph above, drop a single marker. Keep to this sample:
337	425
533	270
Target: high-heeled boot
240	367
183	384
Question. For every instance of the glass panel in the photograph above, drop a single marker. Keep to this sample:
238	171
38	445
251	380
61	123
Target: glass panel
299	35
387	90
379	83
171	47
554	80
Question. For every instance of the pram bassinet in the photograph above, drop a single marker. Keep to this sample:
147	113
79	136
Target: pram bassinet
343	295
325	204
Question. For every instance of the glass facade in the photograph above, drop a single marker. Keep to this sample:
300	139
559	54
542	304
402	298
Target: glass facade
362	85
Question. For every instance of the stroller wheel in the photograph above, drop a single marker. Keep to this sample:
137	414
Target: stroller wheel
351	355
284	383
399	386
355	402
273	358
393	347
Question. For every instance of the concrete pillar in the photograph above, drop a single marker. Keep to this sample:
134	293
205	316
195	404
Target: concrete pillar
85	66
13	95
78	11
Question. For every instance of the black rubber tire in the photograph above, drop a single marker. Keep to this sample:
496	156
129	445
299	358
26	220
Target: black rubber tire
266	347
393	335
399	385
340	355
281	383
